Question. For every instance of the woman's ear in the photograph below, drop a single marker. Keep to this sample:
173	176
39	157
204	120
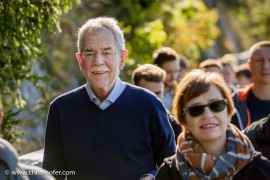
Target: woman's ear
79	59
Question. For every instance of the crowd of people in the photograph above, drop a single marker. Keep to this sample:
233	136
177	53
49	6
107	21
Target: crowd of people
173	122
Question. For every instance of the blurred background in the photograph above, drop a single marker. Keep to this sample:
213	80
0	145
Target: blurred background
38	46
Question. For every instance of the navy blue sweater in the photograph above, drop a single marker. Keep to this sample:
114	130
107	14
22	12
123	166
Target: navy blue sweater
124	141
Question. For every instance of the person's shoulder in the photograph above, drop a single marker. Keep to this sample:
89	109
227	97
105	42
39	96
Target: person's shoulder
258	168
258	125
259	159
168	170
260	165
9	162
70	95
134	88
244	92
8	154
139	91
142	98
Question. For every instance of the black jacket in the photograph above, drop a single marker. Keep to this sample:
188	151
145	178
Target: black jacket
175	126
241	118
258	168
259	134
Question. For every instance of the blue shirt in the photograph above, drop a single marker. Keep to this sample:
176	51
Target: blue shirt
168	99
117	90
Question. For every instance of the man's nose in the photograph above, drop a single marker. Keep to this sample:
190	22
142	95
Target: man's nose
99	59
266	63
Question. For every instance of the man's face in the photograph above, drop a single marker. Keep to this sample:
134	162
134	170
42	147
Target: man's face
172	72
243	81
155	87
101	72
260	65
182	72
228	74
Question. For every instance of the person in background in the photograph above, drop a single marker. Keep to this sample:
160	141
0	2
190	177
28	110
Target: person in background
211	65
9	164
168	59
107	128
152	77
256	96
229	64
210	147
259	134
243	76
184	67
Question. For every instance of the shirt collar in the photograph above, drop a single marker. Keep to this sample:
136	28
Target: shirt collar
114	94
117	90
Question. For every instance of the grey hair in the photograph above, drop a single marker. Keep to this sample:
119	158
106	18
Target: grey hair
100	23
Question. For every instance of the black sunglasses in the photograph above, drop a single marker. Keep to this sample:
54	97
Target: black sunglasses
215	106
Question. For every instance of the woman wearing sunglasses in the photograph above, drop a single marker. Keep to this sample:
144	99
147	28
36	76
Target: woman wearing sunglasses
210	147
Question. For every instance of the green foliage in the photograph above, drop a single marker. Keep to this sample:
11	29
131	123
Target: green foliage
193	28
22	24
10	127
254	19
247	21
147	38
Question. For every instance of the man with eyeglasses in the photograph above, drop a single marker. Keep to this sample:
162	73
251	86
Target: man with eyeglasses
107	128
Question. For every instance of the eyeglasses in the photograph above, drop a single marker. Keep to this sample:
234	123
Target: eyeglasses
215	106
90	56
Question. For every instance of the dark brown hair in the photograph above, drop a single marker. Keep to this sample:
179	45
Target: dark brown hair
193	85
244	70
209	63
149	72
164	54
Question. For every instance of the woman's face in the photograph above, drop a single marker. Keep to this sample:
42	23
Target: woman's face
209	126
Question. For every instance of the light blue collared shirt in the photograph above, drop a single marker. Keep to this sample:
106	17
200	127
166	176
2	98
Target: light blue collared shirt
117	90
168	99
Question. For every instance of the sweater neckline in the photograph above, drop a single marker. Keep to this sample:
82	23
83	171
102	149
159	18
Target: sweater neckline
118	100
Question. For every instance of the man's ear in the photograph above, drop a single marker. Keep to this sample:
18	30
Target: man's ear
124	54
79	59
249	64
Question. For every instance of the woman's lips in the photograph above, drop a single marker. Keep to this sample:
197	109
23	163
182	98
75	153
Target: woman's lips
209	126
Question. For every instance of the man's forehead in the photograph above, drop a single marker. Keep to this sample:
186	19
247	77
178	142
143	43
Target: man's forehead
259	48
104	43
